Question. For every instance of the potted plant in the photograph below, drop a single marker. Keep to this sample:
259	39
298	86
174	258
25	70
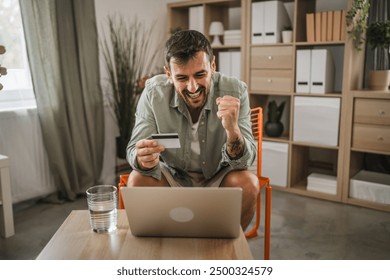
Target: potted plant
273	126
356	19
287	34
378	38
129	57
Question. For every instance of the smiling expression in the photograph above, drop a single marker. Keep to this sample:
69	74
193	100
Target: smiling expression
192	80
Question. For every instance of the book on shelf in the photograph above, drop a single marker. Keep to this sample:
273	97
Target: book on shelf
317	25
196	18
310	34
343	25
232	37
336	25
324	26
329	34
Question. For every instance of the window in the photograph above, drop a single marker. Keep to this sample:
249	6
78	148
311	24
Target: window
17	89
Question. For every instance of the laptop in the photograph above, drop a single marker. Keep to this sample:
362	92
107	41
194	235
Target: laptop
183	212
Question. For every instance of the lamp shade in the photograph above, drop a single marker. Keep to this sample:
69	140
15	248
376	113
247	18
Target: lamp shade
216	28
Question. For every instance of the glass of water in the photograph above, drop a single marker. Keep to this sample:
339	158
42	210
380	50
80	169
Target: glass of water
102	205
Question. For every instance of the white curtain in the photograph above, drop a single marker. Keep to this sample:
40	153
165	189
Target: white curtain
62	48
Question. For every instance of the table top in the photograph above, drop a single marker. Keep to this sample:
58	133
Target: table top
75	240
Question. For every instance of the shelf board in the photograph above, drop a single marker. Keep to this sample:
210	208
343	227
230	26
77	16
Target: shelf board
282	139
370	204
307	144
371	93
301	190
329	94
326	43
370	151
258	92
271	45
224	47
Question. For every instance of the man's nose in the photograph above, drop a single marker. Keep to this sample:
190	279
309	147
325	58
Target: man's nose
192	85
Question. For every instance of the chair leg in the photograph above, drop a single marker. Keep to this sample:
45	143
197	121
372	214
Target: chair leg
267	227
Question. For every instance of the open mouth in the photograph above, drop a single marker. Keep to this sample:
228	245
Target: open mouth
195	94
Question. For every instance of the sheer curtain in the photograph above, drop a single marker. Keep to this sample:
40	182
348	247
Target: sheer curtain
62	47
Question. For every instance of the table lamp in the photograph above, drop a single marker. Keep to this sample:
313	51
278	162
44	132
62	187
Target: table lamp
216	29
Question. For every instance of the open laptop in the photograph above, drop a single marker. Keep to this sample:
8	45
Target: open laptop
183	212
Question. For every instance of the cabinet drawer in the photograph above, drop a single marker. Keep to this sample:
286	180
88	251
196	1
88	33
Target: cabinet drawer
272	57
271	80
372	137
372	111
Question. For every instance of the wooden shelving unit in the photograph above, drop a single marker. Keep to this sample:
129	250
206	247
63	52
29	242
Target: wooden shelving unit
276	63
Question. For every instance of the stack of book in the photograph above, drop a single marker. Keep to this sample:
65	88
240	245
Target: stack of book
322	183
232	37
326	26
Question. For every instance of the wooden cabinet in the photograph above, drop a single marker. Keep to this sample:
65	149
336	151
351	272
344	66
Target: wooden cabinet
368	120
270	70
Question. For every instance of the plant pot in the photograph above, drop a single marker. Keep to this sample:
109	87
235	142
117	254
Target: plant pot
273	129
379	80
286	36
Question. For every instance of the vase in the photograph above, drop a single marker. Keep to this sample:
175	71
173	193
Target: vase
379	80
273	129
286	36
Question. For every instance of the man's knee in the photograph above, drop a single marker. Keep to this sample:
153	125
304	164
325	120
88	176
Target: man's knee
243	179
136	179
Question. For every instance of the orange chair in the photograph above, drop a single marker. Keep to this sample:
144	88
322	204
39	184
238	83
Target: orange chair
257	131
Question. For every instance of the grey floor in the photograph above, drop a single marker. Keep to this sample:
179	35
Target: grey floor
302	229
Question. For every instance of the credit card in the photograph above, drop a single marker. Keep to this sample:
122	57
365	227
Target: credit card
168	140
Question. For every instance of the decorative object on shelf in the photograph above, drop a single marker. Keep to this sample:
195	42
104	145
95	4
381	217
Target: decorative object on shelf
129	58
216	30
3	70
356	20
378	38
273	126
287	34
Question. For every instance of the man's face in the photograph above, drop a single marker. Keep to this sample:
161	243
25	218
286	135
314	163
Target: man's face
192	81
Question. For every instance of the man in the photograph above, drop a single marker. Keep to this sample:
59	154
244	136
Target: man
211	114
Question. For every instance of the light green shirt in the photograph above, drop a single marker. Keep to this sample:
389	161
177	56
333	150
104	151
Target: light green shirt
161	110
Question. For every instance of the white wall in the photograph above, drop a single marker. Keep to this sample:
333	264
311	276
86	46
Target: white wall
149	12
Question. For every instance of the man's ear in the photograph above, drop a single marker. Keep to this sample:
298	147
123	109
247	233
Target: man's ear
169	74
213	65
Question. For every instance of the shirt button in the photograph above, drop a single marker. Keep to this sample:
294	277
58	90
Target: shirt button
203	162
203	141
202	123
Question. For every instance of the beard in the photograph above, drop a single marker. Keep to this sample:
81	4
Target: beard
195	100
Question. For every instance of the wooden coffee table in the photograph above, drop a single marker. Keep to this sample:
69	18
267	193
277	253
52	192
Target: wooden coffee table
75	240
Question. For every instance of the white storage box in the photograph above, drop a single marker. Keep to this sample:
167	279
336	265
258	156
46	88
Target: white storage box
268	20
316	120
322	183
275	163
371	186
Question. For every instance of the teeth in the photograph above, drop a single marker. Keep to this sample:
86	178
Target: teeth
194	95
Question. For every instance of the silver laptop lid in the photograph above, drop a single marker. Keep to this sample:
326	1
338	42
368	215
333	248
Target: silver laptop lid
183	212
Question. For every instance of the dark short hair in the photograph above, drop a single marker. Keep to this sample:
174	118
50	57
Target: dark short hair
185	44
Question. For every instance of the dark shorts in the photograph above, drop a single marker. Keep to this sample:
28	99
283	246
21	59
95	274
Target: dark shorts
187	181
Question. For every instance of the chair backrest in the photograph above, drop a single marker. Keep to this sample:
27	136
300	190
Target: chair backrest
257	131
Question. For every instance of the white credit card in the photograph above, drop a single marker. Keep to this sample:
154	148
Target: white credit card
168	140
